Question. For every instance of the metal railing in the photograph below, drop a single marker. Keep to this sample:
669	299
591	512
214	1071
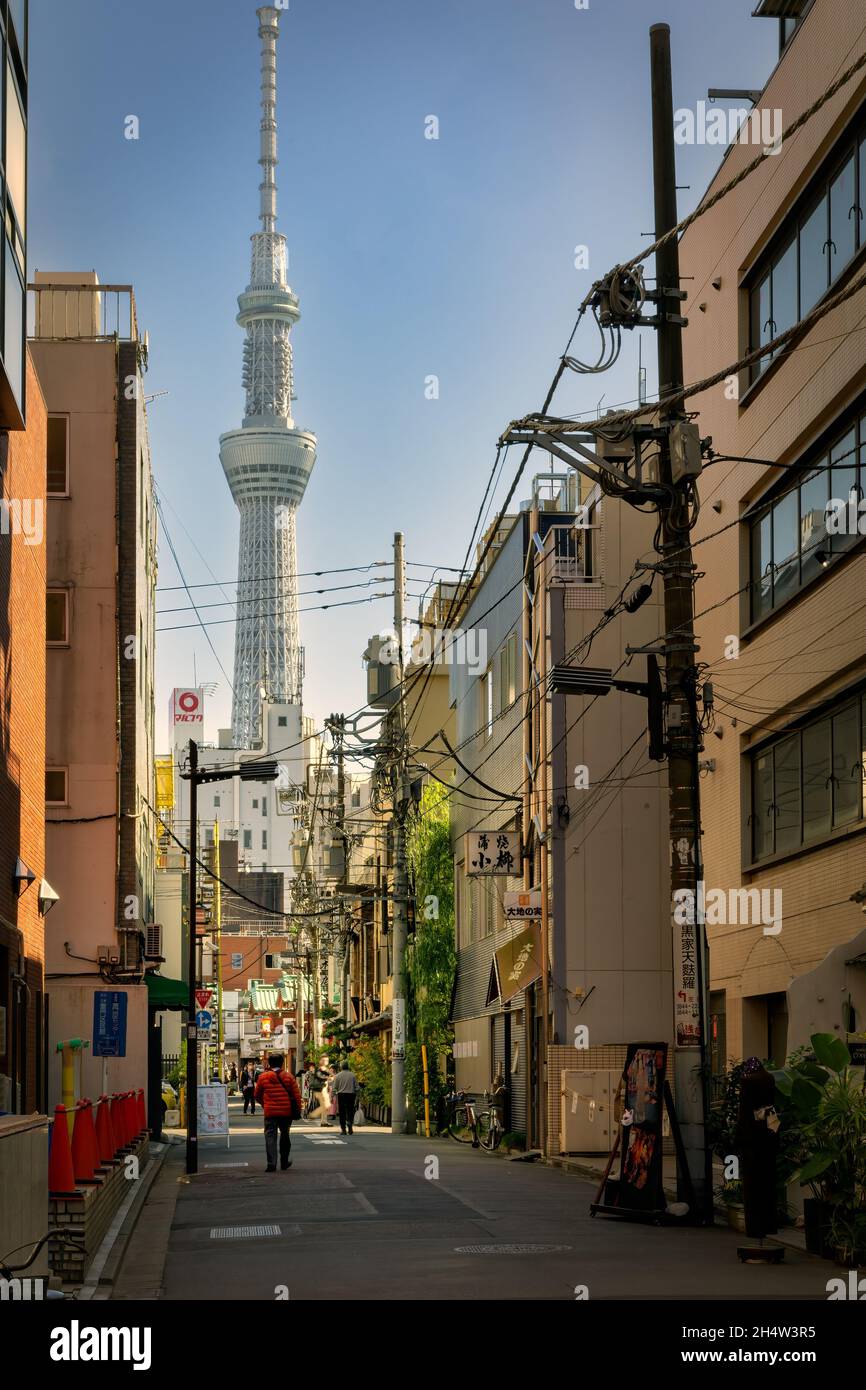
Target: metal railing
569	552
58	312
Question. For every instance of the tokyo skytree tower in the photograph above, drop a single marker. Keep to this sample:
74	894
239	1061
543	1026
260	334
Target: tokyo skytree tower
268	461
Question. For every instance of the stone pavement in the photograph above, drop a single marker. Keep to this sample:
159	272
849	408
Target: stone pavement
359	1218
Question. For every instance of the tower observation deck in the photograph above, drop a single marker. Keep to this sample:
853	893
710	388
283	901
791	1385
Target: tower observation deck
268	461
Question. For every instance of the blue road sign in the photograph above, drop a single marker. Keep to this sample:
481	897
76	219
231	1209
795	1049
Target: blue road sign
109	1023
203	1019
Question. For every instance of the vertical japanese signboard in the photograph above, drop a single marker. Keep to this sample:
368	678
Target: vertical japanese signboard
109	1023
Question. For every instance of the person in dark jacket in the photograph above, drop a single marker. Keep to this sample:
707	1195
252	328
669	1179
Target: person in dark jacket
248	1087
277	1092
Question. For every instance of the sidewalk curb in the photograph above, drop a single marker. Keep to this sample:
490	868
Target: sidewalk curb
106	1262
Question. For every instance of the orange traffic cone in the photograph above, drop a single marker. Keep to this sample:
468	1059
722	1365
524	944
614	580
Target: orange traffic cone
105	1132
130	1110
118	1121
89	1138
142	1113
61	1178
82	1159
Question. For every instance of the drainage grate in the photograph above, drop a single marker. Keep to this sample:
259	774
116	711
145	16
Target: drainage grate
238	1163
510	1249
243	1232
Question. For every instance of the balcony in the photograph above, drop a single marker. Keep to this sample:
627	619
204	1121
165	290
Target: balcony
58	311
569	553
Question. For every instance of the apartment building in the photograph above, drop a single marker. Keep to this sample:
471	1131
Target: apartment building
781	603
101	580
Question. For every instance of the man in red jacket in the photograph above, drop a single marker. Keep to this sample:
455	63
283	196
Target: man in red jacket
277	1093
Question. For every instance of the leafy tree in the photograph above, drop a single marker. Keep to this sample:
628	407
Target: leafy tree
431	956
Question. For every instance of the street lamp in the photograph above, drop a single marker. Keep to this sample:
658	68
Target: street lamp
248	772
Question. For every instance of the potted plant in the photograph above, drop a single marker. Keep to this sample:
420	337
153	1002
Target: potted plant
823	1108
722	1135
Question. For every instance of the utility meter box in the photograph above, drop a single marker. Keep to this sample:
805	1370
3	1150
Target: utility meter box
586	1111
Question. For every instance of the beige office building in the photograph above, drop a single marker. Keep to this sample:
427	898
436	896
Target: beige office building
781	603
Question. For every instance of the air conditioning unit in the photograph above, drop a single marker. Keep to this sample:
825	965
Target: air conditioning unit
153	941
108	955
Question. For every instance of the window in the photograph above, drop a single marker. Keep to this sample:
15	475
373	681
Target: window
16	151
508	673
264	806
789	544
264	839
217	801
271	961
813	248
55	786
255	803
356	798
18	15
57	617
811	782
282	721
248	839
485	704
58	456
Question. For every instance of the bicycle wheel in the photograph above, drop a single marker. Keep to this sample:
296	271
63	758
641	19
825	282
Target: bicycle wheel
458	1127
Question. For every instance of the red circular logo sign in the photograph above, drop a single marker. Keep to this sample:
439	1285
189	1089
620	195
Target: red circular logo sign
188	702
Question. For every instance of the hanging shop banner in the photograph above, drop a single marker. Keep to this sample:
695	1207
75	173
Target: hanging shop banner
213	1109
640	1180
492	852
522	907
687	1004
518	962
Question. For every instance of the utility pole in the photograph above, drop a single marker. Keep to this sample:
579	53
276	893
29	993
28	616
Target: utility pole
684	739
191	1031
218	916
397	731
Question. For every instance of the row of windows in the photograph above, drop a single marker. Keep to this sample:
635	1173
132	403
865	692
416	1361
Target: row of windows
810	782
812	249
789	541
497	687
478	904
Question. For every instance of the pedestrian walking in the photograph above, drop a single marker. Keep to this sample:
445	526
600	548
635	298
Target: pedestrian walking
332	1108
277	1092
248	1089
345	1088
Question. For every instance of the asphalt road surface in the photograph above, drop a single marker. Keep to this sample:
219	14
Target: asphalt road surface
391	1217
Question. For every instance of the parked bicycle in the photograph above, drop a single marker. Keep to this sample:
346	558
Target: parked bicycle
466	1126
9	1272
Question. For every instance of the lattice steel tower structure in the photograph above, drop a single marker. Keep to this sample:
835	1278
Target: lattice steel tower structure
268	461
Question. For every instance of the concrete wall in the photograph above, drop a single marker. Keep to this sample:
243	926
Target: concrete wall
24	1172
616	901
72	1017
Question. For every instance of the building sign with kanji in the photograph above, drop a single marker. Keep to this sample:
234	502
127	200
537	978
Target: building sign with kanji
493	852
518	962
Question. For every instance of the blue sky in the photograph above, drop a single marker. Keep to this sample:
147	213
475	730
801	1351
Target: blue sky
411	257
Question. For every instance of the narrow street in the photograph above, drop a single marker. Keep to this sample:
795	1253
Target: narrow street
357	1219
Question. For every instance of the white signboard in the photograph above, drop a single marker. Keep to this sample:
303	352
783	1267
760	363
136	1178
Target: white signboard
492	852
213	1110
398	1028
185	716
522	907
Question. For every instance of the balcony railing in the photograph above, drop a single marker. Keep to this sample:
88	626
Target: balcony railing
569	552
95	313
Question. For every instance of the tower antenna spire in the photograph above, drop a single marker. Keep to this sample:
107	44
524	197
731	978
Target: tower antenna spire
269	21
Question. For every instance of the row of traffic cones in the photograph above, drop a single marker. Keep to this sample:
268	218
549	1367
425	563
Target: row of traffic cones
121	1120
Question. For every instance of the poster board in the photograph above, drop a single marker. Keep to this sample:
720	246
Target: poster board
213	1111
643	1091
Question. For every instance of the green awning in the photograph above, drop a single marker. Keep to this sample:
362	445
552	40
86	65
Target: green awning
164	993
